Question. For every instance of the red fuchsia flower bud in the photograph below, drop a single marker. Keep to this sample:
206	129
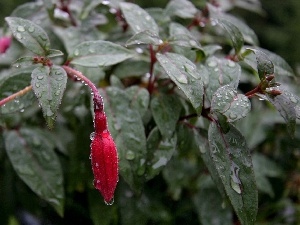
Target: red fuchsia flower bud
104	157
4	44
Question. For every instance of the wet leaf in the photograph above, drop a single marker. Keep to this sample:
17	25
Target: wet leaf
32	36
159	151
131	68
99	209
138	19
221	72
265	66
281	67
228	102
233	32
23	62
181	8
247	33
140	99
181	36
185	75
126	127
166	111
54	53
36	163
209	204
288	106
14	82
99	53
48	84
264	168
144	37
233	162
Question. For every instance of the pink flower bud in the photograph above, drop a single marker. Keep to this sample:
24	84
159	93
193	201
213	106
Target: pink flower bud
104	155
4	44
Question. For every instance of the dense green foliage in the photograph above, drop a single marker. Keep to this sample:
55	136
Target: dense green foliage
204	120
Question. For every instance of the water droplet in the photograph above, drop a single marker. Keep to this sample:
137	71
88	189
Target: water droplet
139	50
76	52
182	79
31	29
57	93
235	180
193	43
91	50
212	63
49	112
90	157
59	78
22	110
40	77
138	27
231	63
105	2
20	29
232	115
293	99
110	202
97	165
92	136
213	22
19	36
130	155
37	85
45	155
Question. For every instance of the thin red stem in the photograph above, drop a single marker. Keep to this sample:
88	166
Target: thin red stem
98	100
152	62
15	95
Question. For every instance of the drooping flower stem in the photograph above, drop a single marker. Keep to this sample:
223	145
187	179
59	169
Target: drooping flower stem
77	74
104	154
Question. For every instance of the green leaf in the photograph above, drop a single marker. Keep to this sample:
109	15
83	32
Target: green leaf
73	36
32	36
99	209
264	168
210	50
34	160
281	67
23	62
166	111
265	66
233	32
127	129
138	19
140	99
54	53
287	105
229	103
248	34
144	37
48	84
131	68
233	162
181	8
99	53
181	36
159	151
27	10
185	75
210	209
221	72
14	82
